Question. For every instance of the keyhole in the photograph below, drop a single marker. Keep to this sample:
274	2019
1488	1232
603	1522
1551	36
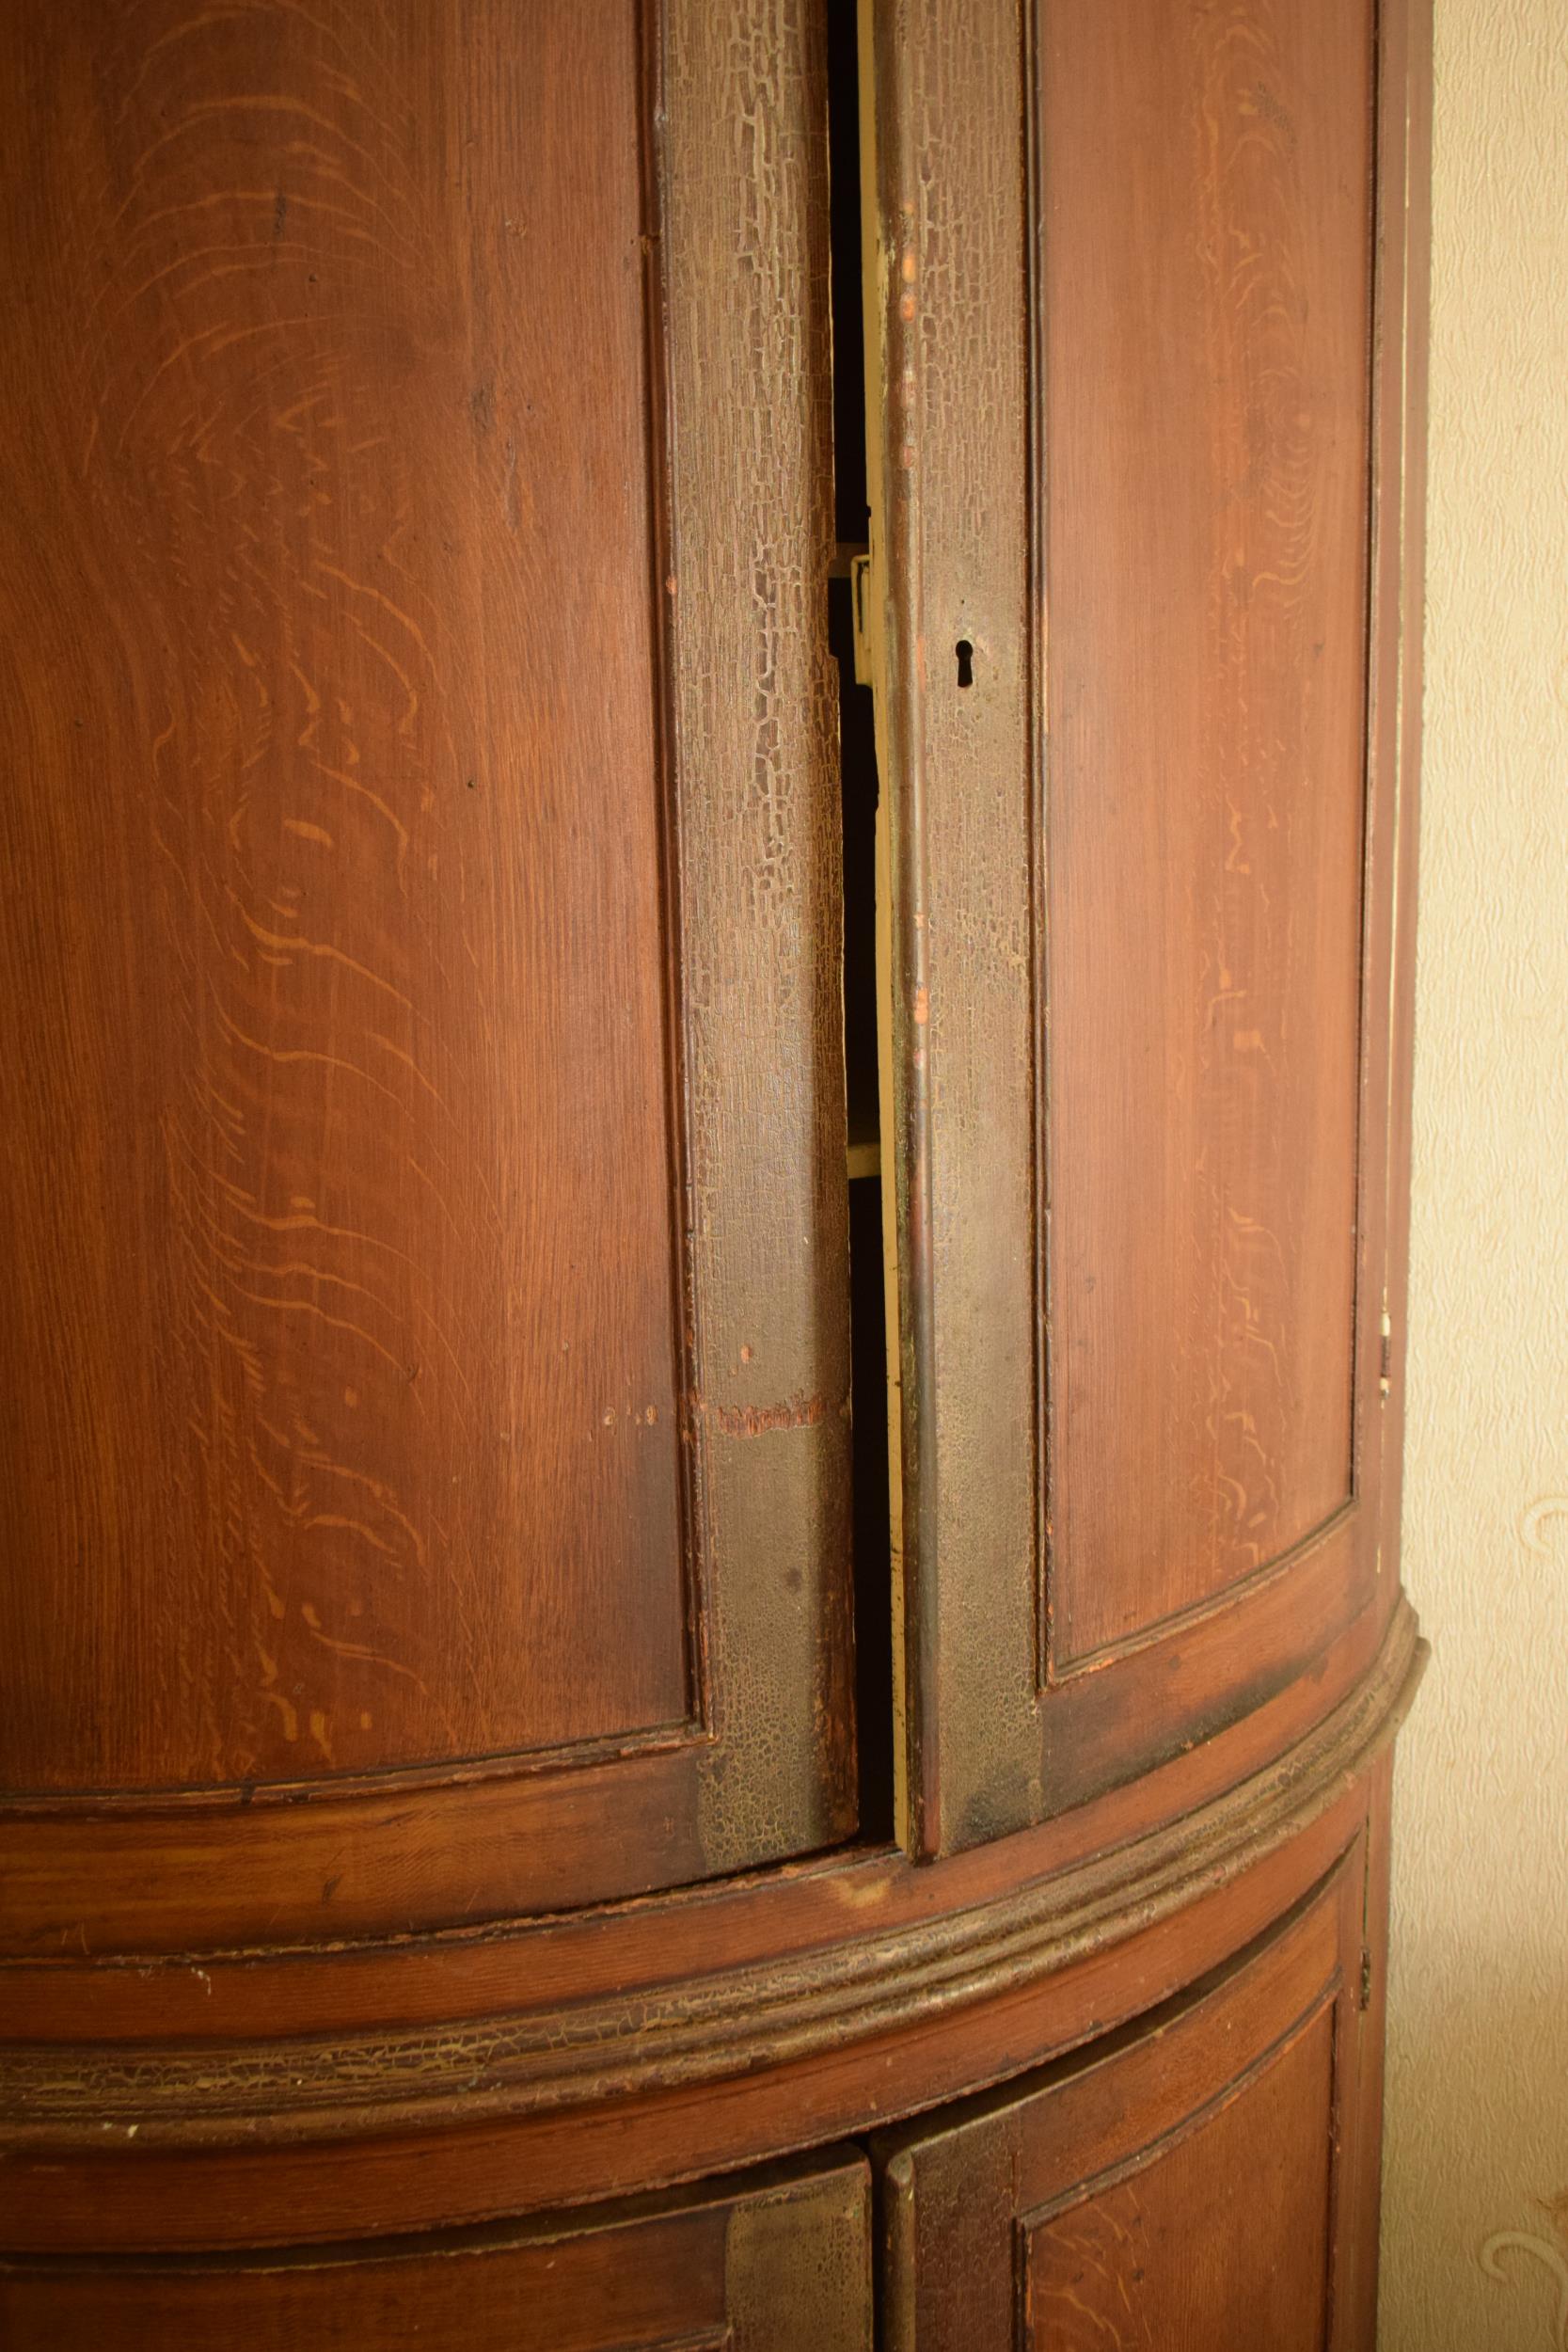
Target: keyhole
965	652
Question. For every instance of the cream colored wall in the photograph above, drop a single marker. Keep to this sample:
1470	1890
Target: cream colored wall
1477	2152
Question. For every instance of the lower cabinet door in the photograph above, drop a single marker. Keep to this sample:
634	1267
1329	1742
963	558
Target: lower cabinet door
779	2262
1201	2182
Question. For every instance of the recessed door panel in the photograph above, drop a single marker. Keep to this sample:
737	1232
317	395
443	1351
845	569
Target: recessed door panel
1145	560
1218	2241
340	1025
426	1364
1205	258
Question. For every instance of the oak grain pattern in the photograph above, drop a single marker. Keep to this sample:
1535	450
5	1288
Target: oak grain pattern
1189	2184
199	2104
429	1341
1219	2244
641	1958
342	1344
1206	254
1144	442
125	2195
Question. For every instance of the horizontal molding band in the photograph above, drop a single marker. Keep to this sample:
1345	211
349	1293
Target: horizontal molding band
60	2098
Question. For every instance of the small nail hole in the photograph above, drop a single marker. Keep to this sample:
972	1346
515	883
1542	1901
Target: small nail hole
966	663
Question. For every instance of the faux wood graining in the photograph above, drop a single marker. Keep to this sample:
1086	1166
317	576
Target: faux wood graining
781	2264
256	2032
1219	2240
1185	2187
1142	356
342	1337
1205	257
420	841
262	2099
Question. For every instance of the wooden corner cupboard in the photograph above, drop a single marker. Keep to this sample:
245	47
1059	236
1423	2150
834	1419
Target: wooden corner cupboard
708	839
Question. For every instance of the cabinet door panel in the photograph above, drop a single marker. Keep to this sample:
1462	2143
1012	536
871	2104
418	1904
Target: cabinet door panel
1219	2239
419	1374
1145	970
782	2265
1204	309
362	1246
1196	2184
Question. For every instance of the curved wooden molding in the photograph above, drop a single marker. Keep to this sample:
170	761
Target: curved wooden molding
861	1987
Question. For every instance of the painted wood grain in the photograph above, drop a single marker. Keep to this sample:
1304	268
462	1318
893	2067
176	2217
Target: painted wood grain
1205	246
425	1199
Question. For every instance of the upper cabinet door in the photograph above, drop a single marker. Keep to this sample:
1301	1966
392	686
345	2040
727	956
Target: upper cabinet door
1144	517
425	1459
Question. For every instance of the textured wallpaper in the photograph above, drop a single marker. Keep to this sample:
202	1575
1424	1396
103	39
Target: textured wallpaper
1475	2177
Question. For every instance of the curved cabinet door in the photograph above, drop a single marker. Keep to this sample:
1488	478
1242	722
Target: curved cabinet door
781	2263
1145	547
424	1465
1204	2181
